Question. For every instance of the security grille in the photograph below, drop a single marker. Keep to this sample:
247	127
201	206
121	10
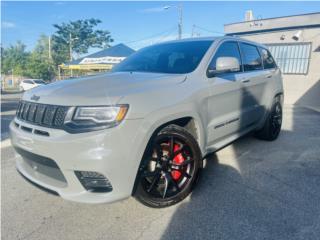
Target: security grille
42	114
292	58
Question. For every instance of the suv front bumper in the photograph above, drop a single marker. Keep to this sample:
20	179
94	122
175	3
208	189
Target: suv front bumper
115	153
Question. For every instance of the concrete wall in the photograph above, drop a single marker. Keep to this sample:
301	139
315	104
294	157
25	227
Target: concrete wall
11	82
299	89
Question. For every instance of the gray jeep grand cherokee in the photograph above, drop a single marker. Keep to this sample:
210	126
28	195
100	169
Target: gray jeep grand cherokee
144	128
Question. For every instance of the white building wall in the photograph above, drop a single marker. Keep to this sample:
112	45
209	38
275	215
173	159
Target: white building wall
299	89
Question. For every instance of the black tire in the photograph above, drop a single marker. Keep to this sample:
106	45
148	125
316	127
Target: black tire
162	181
272	126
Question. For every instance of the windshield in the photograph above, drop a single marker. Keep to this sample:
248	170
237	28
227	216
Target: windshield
39	81
175	57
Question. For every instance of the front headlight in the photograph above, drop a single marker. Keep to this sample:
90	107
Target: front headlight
94	118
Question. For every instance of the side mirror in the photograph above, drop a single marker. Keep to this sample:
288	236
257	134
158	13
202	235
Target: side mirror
225	65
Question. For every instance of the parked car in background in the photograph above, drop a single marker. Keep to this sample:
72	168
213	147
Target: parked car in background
30	83
145	128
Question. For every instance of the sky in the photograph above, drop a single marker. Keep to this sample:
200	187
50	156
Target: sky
136	24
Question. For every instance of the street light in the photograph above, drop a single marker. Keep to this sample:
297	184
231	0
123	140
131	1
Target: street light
179	7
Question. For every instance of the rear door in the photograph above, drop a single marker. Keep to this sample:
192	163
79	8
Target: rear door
270	74
224	104
253	83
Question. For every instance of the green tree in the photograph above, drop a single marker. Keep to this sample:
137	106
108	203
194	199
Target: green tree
14	58
40	64
81	35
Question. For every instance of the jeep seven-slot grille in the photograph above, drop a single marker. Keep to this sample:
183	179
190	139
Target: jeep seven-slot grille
42	114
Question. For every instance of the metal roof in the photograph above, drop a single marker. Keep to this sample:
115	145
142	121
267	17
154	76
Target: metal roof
119	50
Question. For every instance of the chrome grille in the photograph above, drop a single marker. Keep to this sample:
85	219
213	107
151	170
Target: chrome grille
42	114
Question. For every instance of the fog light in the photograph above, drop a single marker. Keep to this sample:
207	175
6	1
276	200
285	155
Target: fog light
94	181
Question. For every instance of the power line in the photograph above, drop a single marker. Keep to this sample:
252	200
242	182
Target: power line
151	36
207	30
166	35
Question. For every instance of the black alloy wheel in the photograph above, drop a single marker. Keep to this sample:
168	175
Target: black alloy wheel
276	119
170	169
272	127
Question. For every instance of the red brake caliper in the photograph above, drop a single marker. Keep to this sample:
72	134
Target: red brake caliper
177	160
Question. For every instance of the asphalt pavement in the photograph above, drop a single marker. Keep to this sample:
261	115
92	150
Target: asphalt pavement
9	103
251	189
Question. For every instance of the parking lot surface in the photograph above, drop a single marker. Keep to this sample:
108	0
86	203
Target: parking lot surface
251	189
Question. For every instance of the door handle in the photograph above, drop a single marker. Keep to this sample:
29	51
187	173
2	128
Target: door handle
245	80
269	76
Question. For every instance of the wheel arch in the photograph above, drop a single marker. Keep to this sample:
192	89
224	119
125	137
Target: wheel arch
278	96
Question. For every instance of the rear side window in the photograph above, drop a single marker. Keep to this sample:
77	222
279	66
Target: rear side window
267	59
39	81
28	81
226	49
250	57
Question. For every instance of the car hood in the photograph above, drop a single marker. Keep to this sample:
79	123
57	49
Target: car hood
104	89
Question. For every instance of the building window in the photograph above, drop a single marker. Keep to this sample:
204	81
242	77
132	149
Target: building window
292	58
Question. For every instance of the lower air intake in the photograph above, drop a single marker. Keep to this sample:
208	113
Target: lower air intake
94	181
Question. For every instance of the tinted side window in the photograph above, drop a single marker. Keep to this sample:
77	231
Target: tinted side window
28	81
250	57
267	59
227	49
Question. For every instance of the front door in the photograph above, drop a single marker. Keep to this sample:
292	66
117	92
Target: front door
224	103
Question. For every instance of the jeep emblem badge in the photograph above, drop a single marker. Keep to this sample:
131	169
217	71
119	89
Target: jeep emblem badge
35	97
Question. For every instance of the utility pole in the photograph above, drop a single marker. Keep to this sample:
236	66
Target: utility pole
180	22
70	49
192	32
70	52
70	46
12	76
49	43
